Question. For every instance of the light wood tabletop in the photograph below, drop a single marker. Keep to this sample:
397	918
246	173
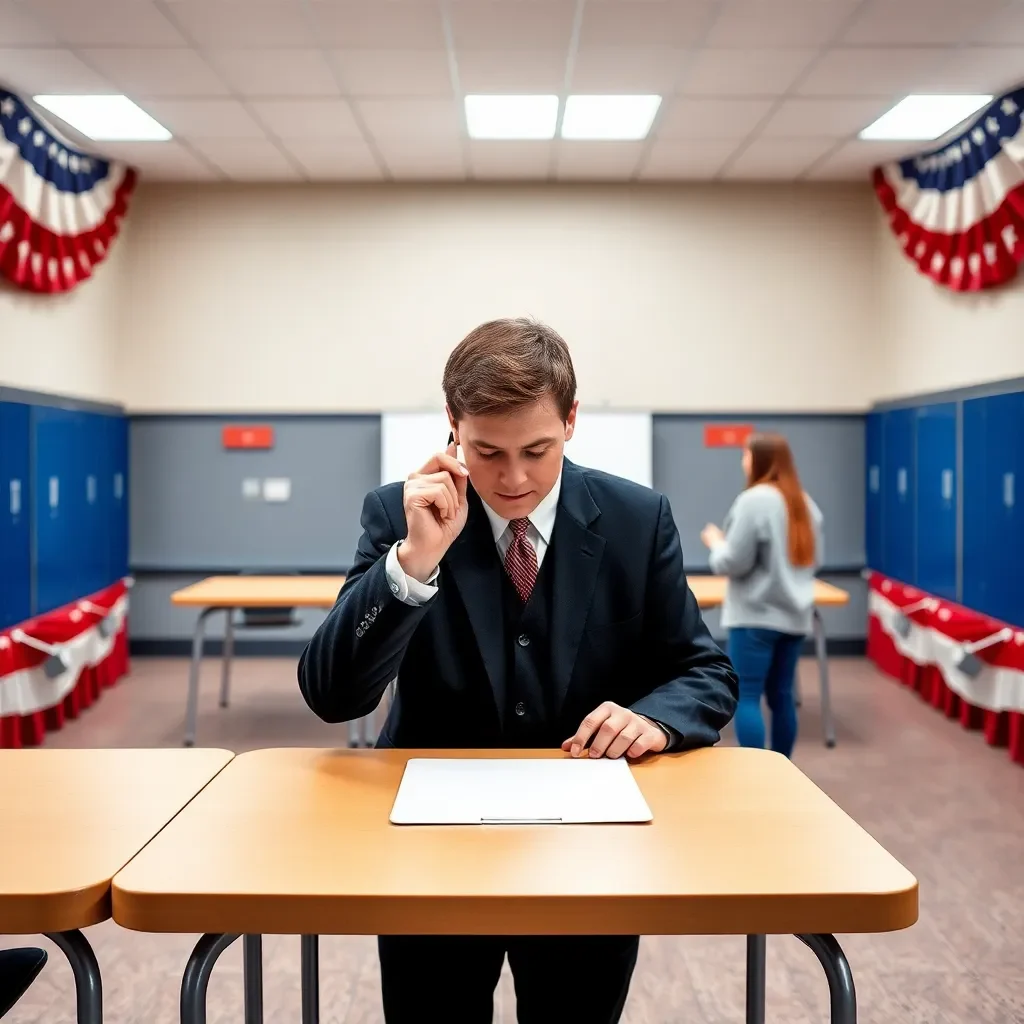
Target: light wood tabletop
710	592
71	819
260	592
298	841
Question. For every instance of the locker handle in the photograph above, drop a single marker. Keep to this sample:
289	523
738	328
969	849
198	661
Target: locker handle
947	485
901	481
1008	496
15	497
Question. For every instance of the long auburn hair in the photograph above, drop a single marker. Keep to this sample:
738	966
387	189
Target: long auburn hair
771	462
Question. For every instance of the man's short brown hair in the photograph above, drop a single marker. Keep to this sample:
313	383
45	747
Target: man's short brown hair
503	365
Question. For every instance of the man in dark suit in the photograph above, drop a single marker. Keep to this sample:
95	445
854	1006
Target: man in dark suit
520	601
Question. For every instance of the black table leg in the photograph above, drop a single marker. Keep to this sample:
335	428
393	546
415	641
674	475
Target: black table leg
197	976
755	978
252	957
310	979
842	995
88	988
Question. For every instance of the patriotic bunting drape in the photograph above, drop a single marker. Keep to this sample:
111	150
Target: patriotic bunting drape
958	210
60	209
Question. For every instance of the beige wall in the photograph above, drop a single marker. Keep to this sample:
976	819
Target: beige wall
936	339
693	297
65	344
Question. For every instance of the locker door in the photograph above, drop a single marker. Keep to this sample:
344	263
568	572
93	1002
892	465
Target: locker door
936	499
873	491
57	507
993	524
91	444
15	515
118	489
898	544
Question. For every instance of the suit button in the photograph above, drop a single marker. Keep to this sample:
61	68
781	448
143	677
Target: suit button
524	640
520	709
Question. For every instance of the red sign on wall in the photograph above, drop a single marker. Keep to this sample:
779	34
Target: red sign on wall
726	435
248	437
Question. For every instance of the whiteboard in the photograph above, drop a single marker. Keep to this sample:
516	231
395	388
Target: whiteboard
615	441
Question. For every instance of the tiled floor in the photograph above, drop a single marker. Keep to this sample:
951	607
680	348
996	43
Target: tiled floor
948	806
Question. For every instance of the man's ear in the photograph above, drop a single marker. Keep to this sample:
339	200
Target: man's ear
570	420
452	424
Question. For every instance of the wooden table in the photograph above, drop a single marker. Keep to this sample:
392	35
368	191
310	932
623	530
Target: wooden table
298	841
710	593
228	593
71	820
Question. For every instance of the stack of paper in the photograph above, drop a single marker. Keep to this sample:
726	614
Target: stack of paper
517	791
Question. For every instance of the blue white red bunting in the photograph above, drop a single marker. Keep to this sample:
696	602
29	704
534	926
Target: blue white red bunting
958	210
60	208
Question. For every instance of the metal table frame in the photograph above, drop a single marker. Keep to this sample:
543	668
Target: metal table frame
196	979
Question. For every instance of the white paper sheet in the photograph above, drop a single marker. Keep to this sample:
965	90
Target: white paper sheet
517	791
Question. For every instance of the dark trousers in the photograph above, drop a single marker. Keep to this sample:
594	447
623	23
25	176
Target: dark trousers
584	978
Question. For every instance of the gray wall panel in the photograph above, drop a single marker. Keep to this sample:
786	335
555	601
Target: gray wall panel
188	510
702	483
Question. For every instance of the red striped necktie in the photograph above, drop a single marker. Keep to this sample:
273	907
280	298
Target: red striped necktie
521	560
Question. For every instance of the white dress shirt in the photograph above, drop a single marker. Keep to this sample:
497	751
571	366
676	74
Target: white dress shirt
542	524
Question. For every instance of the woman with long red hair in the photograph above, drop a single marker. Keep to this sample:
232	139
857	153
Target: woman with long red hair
769	550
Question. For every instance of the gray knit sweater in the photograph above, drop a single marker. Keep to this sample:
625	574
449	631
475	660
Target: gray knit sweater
766	590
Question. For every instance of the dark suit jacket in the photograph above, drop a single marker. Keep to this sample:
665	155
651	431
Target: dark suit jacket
624	626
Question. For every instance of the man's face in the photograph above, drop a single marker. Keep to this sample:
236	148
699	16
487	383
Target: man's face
514	458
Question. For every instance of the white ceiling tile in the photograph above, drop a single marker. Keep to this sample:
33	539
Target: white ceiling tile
745	72
645	22
275	72
597	161
31	72
649	69
157	72
307	119
230	23
979	69
249	159
918	22
379	26
18	27
710	119
334	159
698	159
800	118
511	71
161	161
870	71
520	24
423	159
780	22
768	159
854	161
206	119
1003	29
500	161
394	72
439	120
110	23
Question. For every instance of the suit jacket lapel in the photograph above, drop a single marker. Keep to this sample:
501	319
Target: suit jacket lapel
474	566
577	553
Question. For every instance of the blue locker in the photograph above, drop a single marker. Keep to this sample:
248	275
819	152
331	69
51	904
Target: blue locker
15	515
898	535
993	570
936	491
59	507
873	490
117	487
92	445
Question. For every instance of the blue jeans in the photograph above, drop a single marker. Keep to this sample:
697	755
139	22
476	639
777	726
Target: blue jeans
765	661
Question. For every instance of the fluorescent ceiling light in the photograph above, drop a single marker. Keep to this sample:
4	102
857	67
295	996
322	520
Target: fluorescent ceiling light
106	118
511	117
923	117
609	117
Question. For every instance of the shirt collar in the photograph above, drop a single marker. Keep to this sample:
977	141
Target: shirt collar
542	517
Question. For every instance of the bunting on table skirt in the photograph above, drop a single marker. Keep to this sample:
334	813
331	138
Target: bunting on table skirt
60	209
958	211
